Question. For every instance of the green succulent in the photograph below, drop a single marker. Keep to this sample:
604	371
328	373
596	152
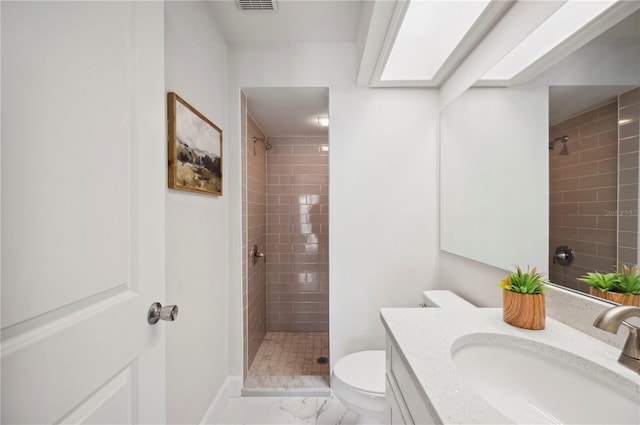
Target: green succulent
624	281
628	281
602	282
529	282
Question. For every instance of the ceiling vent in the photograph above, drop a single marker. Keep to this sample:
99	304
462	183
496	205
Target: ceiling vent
260	5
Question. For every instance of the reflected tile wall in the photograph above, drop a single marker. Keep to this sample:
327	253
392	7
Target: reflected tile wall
256	225
583	193
298	234
629	116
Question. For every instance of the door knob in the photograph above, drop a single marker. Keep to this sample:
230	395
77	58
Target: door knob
157	312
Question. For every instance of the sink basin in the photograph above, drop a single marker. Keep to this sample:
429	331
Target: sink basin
531	382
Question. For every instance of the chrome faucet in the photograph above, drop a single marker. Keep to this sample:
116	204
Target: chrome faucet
610	320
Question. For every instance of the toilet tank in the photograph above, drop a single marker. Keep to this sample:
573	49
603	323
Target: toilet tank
444	299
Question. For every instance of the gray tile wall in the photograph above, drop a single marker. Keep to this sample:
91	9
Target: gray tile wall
583	193
629	116
594	190
256	235
298	234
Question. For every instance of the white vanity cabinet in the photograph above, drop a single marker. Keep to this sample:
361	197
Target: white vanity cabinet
430	381
405	403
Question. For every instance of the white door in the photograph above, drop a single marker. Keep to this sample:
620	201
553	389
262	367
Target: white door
83	189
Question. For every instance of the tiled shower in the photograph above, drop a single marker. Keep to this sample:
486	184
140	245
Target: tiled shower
285	293
593	199
298	234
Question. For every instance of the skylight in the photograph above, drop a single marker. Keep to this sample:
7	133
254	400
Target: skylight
429	33
569	18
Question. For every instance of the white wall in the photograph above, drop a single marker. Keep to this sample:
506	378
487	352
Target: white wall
383	200
197	259
494	176
474	281
383	208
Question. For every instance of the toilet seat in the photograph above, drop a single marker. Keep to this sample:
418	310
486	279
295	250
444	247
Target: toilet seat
363	371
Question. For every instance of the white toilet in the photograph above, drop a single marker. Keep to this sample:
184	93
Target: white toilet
444	299
358	382
358	379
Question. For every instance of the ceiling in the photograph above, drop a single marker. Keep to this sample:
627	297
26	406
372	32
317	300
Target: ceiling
288	111
325	21
568	101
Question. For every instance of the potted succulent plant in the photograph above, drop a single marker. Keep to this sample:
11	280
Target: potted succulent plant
523	302
622	287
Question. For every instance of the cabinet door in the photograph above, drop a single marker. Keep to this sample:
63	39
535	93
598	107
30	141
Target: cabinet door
393	410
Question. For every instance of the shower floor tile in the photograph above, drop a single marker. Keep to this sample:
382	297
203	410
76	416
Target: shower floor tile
291	354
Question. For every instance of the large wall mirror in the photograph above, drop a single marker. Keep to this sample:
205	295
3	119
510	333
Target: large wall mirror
550	162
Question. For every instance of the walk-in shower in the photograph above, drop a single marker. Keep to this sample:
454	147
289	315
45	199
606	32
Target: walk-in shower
285	191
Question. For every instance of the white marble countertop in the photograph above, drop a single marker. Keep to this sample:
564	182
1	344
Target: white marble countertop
426	337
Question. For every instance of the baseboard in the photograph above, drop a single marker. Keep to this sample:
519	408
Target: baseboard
235	386
231	385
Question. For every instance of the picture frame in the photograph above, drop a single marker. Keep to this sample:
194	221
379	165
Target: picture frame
195	149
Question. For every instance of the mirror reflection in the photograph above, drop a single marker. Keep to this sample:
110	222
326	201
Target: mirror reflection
582	214
593	181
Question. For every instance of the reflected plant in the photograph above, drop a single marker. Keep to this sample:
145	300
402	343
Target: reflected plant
628	280
624	281
602	282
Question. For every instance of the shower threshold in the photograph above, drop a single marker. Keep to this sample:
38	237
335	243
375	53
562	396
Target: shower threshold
294	385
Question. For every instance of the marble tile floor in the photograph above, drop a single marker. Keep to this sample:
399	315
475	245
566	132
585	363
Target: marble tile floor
285	410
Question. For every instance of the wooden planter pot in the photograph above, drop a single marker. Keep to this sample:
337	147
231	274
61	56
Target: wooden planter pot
525	311
624	299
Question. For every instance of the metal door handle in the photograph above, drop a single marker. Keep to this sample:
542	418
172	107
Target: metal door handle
157	312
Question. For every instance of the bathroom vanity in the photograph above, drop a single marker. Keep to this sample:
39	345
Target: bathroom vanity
447	366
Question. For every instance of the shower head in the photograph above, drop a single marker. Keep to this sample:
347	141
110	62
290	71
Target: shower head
267	145
565	149
564	140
